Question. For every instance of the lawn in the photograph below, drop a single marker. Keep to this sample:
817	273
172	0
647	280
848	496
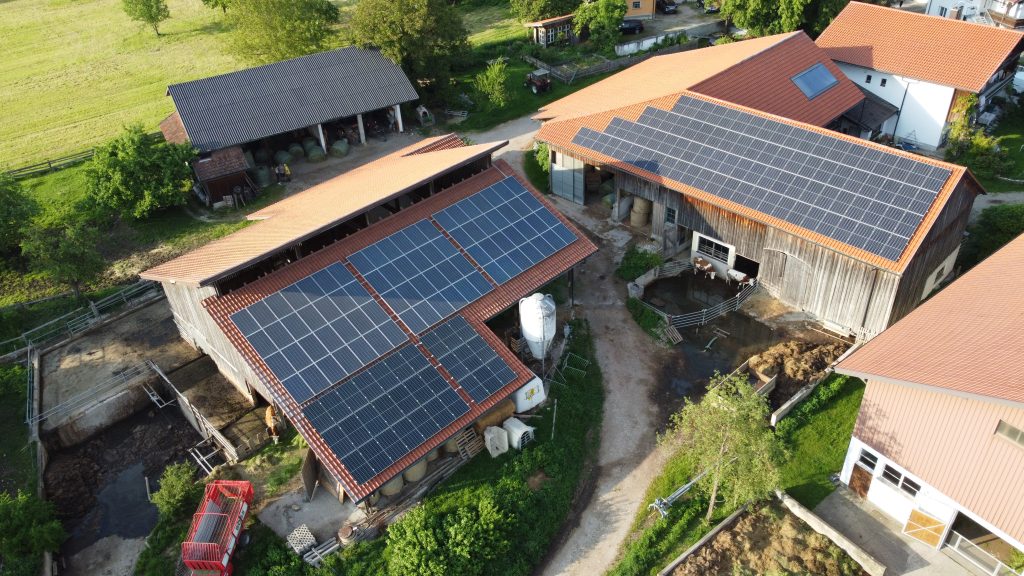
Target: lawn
820	437
17	459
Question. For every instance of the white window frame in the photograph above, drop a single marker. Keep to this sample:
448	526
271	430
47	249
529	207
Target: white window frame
943	11
636	5
865	457
727	248
905	485
675	215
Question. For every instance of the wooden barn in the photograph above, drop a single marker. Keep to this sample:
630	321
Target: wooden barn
854	233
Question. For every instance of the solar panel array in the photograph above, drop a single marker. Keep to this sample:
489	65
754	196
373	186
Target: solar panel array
855	194
505	229
468	358
378	416
317	331
420	274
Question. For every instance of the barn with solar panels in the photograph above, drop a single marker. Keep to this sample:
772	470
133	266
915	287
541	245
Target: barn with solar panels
358	307
855	233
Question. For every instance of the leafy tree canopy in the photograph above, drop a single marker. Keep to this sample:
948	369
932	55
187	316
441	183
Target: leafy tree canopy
28	527
533	10
728	437
178	489
16	209
135	175
425	37
62	243
266	31
149	12
493	83
222	4
602	18
764	17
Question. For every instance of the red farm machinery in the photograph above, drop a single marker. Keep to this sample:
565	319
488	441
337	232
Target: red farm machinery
216	528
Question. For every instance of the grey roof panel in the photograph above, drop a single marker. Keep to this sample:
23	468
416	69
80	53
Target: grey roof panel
250	104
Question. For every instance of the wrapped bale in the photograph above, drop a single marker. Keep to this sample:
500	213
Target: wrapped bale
315	154
295	149
262	176
339	148
282	157
262	156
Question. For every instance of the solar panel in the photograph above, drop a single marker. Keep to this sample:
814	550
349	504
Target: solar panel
856	194
468	358
505	229
318	330
420	275
381	414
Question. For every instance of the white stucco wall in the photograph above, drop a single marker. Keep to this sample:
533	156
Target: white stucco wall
721	268
924	106
899	504
971	7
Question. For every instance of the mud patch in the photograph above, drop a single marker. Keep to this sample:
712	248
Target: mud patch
536	480
769	540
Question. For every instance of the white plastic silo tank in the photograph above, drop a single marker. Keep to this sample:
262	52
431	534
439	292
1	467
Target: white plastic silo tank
537	317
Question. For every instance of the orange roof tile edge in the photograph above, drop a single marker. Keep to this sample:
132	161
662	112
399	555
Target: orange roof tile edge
560	133
950	52
505	295
966	339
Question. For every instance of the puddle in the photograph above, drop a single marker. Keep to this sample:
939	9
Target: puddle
121	509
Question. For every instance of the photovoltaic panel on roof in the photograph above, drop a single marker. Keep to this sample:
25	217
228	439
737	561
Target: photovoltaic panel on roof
855	194
318	330
420	275
505	229
468	358
385	412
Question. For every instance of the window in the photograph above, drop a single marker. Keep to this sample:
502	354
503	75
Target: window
942	12
670	215
882	82
712	249
867	79
814	80
893	476
1015	435
868	460
635	5
940	274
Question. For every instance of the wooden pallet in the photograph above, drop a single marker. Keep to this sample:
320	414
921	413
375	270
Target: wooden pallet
671	334
470	443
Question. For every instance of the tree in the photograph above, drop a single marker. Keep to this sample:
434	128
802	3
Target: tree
763	17
151	12
135	175
493	83
266	31
728	437
425	37
28	528
16	209
602	18
62	244
222	4
533	10
969	145
178	490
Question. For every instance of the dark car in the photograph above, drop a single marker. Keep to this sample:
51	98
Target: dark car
665	6
631	27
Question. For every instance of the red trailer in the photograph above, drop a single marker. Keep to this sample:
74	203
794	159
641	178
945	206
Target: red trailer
216	527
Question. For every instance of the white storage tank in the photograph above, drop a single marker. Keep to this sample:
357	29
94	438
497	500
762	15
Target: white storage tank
529	396
537	317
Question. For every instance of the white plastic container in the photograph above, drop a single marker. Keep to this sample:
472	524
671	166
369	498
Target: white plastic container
519	434
496	441
529	396
537	317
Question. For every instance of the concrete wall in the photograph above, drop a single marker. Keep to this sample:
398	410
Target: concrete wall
81	425
924	106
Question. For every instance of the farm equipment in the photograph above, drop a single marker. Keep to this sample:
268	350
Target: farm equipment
216	528
538	81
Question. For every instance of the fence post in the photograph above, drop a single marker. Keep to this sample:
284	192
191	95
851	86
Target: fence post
94	309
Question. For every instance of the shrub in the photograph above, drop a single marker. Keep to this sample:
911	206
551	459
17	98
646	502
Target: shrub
648	319
178	490
492	83
543	155
28	528
636	262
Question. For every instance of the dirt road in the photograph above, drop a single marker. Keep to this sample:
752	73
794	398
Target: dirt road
628	458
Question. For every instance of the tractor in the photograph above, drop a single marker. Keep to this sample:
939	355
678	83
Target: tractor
538	81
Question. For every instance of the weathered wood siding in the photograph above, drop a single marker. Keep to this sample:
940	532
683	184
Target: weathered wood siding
199	329
944	237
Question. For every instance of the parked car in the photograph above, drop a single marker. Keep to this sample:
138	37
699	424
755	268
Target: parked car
538	81
709	7
631	27
666	6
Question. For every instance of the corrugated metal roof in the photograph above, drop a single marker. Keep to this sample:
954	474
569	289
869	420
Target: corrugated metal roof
250	104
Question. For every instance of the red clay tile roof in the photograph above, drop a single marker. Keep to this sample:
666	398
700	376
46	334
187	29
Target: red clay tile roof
756	73
173	130
549	21
496	301
949	52
220	163
307	213
968	338
560	133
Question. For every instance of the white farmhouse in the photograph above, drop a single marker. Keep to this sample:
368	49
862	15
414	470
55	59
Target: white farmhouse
1002	13
921	64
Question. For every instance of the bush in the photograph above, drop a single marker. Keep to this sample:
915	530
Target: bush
28	527
831	387
648	319
178	491
492	83
636	262
537	167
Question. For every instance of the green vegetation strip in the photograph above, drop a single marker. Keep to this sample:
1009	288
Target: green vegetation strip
817	434
636	262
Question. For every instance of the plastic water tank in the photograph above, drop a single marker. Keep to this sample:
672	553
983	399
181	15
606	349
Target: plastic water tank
529	396
537	317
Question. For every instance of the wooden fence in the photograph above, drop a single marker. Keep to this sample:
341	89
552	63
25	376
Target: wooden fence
569	73
58	163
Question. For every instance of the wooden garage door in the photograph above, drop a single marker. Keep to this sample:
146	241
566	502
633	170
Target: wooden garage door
860	481
924	528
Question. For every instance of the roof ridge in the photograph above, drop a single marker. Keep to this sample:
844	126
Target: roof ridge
787	36
908	13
